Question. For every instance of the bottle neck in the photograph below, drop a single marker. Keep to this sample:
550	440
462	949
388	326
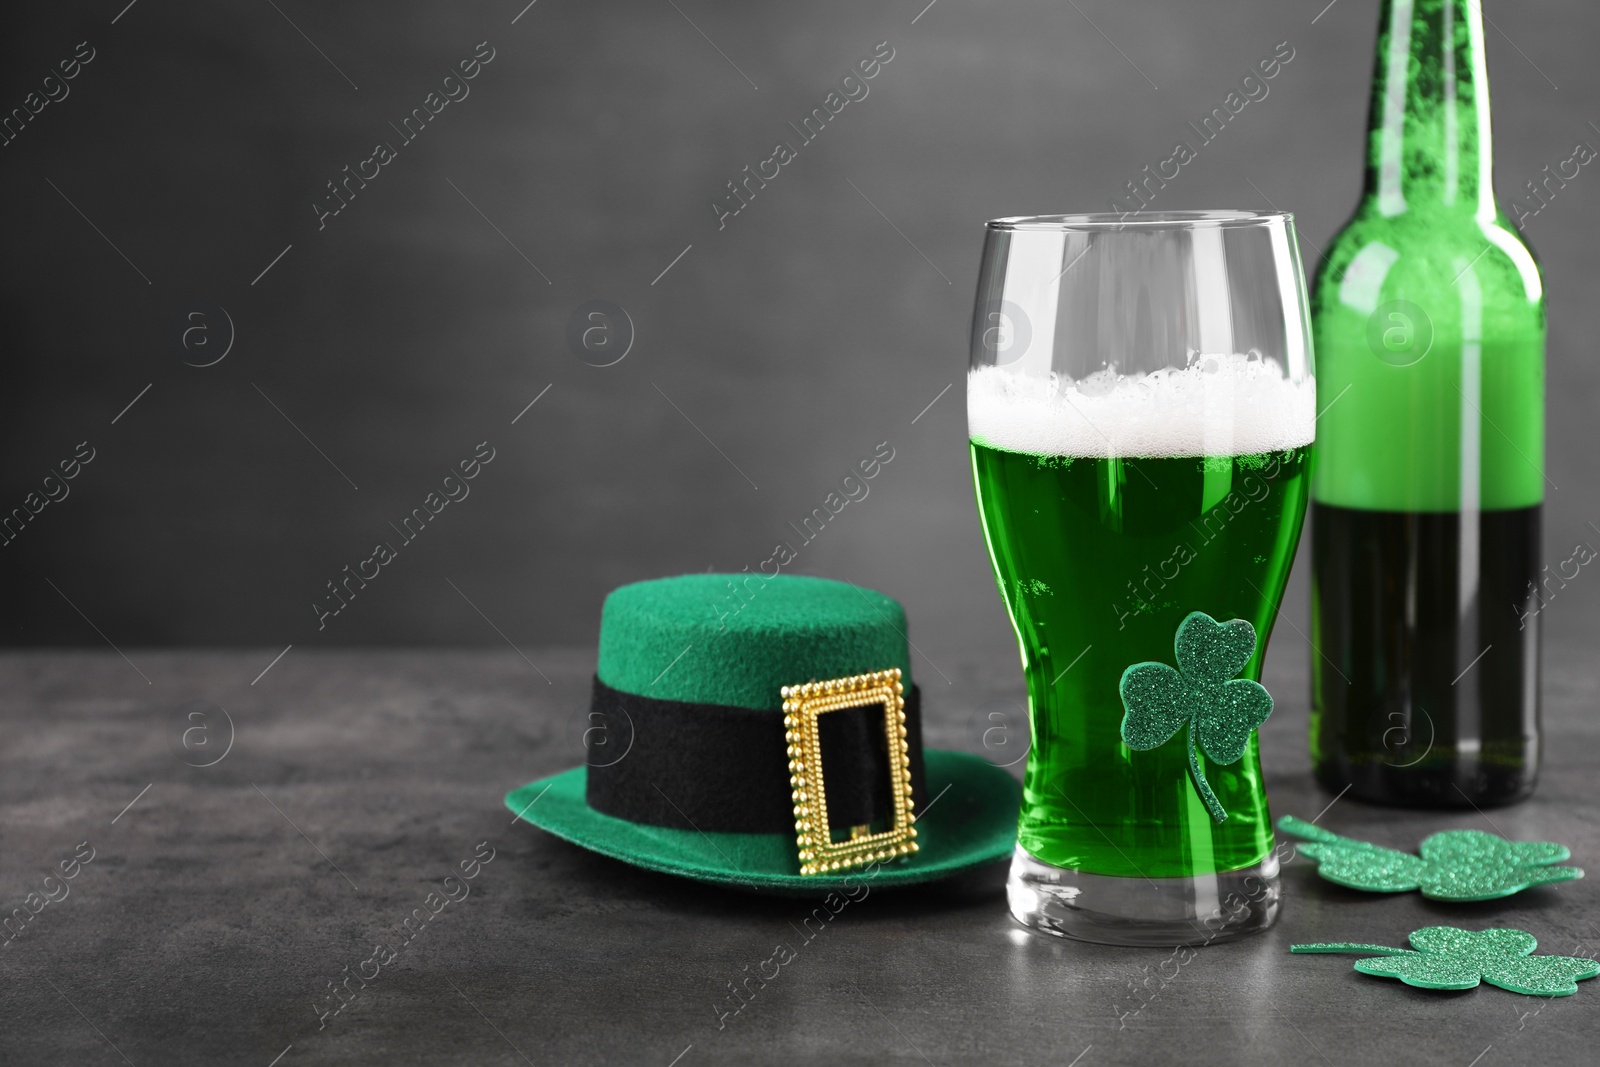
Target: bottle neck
1430	144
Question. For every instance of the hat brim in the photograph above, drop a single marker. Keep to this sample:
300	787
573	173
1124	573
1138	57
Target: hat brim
970	820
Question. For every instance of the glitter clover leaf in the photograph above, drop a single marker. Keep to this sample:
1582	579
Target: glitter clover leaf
1220	710
1447	957
1455	865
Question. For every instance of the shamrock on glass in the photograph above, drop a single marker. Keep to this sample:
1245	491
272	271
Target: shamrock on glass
1447	957
1221	711
1455	865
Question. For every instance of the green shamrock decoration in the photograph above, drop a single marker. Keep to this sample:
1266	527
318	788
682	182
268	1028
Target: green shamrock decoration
1221	711
1455	865
1450	958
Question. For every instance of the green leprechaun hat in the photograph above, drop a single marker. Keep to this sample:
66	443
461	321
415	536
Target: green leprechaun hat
765	733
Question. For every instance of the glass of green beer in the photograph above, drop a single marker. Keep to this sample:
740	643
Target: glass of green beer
1141	406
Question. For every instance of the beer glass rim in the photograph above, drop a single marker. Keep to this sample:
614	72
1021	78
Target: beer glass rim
1144	220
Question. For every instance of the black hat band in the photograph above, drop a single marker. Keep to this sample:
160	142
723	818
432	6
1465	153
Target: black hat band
721	769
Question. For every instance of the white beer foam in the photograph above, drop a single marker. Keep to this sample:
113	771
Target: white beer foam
1220	405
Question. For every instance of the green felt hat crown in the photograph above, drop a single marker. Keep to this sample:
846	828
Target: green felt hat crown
688	666
739	639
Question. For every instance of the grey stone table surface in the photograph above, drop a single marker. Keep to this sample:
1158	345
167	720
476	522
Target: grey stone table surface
222	901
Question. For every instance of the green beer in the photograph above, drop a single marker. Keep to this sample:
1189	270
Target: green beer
1141	405
1098	560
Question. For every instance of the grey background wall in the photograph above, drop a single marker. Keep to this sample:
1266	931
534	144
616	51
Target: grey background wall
373	351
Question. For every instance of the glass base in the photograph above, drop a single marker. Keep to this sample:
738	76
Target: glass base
1159	912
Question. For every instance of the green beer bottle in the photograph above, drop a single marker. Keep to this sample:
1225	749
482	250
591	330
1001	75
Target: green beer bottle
1428	319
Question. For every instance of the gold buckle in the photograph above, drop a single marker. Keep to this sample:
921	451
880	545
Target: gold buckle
802	706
